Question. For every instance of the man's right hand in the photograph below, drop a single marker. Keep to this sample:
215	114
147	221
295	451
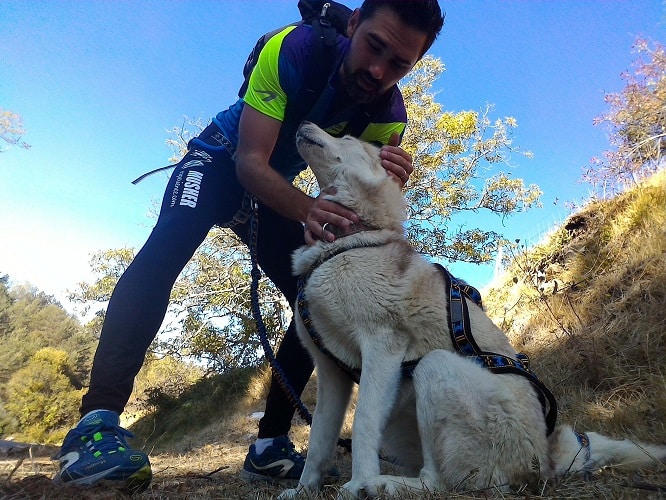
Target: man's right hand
324	211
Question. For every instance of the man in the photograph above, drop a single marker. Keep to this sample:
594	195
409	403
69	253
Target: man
249	149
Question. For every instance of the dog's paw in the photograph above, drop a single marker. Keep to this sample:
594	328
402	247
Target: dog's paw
352	490
387	486
298	492
380	486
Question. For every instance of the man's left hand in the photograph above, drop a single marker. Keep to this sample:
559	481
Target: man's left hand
396	160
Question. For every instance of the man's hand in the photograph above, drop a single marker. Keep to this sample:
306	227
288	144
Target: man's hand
396	160
322	212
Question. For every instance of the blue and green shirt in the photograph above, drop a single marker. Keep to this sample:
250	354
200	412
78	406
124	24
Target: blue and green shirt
277	78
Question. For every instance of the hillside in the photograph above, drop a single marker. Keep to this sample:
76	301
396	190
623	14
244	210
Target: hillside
588	305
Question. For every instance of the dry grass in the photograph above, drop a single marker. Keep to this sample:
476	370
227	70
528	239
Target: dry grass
589	307
206	465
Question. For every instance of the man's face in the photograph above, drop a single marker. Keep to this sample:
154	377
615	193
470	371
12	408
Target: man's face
383	50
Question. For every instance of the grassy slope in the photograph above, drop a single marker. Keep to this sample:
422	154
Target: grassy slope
589	307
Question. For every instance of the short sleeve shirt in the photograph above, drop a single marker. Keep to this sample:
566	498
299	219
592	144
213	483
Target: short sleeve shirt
277	77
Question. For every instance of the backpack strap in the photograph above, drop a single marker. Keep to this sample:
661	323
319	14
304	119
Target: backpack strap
254	56
327	19
322	59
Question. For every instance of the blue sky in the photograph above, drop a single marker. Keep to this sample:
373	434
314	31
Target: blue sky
99	83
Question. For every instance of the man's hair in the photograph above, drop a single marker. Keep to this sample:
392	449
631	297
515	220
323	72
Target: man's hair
424	15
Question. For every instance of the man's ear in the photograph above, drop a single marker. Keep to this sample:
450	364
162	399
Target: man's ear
352	24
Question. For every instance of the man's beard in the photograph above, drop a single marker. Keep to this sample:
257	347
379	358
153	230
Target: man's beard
359	93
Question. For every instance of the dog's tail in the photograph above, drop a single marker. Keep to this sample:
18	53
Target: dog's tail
572	452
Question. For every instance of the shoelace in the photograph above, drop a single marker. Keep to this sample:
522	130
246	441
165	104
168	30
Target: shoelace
113	436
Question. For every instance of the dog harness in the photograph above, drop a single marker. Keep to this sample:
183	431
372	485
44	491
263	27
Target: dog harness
464	343
461	337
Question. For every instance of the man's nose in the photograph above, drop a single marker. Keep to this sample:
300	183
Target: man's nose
377	71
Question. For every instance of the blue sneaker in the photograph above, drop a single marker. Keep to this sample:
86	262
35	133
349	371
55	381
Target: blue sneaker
96	449
279	461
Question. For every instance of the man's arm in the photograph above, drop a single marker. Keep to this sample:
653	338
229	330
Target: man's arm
257	136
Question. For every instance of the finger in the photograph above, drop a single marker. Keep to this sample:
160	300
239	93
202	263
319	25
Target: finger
324	231
394	140
398	156
325	210
310	238
318	231
397	164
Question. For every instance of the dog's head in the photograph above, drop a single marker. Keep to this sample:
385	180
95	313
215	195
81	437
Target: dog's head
353	169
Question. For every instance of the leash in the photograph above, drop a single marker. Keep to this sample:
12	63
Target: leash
277	370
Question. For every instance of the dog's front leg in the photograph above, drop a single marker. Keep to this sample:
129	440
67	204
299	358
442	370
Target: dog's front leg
333	394
380	379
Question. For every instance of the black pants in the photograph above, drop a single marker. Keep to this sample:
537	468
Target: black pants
202	191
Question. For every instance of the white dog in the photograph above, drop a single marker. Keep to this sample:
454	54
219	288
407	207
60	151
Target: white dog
369	304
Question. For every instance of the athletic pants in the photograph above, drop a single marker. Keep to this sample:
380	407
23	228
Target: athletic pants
203	191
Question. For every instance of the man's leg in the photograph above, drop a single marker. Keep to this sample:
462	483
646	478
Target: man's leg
278	237
199	194
136	311
141	297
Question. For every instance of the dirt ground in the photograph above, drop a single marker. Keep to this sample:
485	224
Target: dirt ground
212	471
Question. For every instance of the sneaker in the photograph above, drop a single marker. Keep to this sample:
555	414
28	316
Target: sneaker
279	461
96	449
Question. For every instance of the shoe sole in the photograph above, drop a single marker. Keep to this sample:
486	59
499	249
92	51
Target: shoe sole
139	481
253	477
136	483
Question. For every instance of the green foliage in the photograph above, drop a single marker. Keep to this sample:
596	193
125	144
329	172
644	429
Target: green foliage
160	383
109	265
207	400
636	120
35	321
41	397
452	152
5	305
214	291
11	130
44	362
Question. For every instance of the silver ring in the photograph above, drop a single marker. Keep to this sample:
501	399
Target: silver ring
323	229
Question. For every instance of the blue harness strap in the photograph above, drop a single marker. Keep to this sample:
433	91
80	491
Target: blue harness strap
464	343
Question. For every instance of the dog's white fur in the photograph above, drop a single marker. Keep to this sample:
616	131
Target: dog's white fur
455	425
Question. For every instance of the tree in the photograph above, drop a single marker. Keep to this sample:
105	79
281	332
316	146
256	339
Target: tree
211	311
11	130
41	396
637	124
455	158
5	305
